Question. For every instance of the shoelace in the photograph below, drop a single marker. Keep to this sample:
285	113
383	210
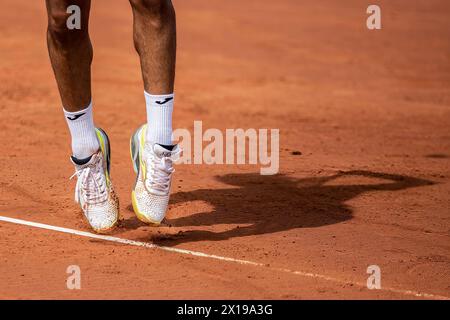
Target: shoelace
91	184
159	171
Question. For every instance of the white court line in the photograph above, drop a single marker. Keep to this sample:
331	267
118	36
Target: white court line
210	256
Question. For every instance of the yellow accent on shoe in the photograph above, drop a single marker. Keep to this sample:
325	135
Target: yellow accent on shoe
103	149
141	148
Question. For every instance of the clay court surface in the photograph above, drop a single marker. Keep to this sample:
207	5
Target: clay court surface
369	111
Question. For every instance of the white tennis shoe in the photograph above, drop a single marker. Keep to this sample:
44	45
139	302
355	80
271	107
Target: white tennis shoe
153	165
94	190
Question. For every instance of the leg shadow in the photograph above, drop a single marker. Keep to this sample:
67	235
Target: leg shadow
268	204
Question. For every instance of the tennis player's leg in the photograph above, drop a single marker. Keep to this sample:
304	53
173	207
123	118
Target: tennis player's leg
70	52
152	149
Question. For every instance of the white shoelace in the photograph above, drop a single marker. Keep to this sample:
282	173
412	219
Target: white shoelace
91	183
159	172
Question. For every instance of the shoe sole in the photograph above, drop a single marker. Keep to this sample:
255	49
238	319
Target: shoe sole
134	152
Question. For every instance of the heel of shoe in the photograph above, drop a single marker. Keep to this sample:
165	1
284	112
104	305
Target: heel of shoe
134	150
104	145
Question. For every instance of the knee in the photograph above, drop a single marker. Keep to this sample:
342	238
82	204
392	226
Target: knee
60	33
157	11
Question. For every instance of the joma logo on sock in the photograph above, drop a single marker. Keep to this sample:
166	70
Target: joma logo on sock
234	140
164	101
75	117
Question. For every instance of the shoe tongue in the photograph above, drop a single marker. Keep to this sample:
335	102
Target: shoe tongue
160	151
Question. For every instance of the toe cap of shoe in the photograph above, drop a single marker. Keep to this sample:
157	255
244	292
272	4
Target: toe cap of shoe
149	207
102	218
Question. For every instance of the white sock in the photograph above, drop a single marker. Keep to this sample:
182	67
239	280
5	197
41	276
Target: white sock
82	130
159	118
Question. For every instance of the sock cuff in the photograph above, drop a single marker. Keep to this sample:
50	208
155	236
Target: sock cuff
79	113
159	100
82	130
